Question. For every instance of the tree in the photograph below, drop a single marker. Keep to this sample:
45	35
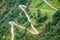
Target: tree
42	19
56	18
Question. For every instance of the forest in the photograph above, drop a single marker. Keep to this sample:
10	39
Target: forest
45	19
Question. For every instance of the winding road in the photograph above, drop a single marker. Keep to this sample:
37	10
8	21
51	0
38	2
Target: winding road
12	23
21	6
12	30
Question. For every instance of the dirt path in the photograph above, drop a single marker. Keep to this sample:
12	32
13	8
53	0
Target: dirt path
12	23
32	26
12	30
34	31
42	10
50	5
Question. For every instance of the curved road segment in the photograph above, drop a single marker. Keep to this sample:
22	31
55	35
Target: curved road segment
50	5
12	23
21	6
12	30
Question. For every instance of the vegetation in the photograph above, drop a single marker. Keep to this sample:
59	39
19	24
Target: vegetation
55	3
46	22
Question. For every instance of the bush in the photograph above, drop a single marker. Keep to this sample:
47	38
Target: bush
42	19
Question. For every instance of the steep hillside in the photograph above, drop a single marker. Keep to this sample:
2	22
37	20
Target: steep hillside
45	20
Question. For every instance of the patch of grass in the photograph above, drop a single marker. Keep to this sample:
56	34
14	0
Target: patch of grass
55	3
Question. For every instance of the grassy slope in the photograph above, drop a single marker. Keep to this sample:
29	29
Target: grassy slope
55	3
